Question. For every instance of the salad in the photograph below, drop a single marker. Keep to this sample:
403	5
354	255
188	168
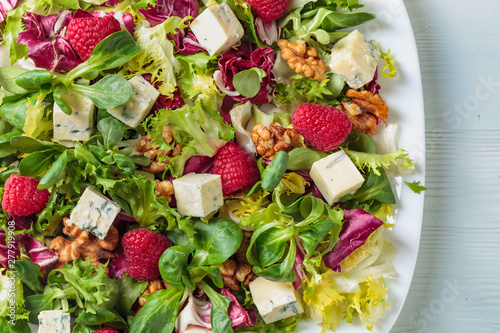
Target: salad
194	166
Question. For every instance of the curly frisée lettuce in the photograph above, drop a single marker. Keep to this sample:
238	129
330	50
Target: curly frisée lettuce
157	54
200	129
373	162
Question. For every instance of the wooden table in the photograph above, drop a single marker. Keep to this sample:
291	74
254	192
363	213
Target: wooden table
456	286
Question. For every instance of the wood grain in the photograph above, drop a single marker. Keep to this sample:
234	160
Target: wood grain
456	286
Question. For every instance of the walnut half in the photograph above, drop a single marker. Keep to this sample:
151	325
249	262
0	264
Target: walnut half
303	59
364	109
269	141
148	148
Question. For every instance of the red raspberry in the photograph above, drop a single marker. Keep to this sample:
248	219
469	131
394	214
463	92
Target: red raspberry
22	198
143	249
107	330
269	10
323	126
237	168
85	33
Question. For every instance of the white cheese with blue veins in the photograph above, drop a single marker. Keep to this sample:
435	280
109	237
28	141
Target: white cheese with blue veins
198	195
94	213
78	125
335	176
54	321
275	300
354	60
217	29
137	108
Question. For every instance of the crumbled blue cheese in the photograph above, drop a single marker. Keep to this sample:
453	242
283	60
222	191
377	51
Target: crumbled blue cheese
217	29
198	194
354	60
54	321
94	213
275	300
78	125
137	108
336	176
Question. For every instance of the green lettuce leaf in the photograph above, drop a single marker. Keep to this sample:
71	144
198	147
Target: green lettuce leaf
389	69
157	54
196	77
13	27
137	197
200	129
373	162
416	187
11	290
38	123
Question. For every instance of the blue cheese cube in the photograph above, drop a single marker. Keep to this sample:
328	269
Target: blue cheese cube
217	29
94	213
275	300
198	194
354	60
78	125
54	321
336	176
137	108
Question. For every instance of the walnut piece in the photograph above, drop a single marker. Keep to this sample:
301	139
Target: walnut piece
234	273
148	148
364	109
164	189
84	245
153	286
238	271
276	138
303	59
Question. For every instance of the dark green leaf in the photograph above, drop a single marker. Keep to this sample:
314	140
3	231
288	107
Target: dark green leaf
83	155
159	313
302	159
55	172
100	317
8	79
6	149
339	20
113	51
124	164
20	326
29	145
359	141
248	82
81	328
376	188
198	273
416	187
130	290
275	171
112	132
32	80
109	92
219	318
282	272
29	273
37	162
216	241
173	264
15	112
61	102
38	303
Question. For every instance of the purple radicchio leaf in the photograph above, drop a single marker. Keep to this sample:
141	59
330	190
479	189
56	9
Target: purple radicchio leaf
312	188
245	57
269	32
194	314
20	223
6	6
358	226
198	164
185	42
46	44
373	86
298	268
118	265
40	254
239	316
167	8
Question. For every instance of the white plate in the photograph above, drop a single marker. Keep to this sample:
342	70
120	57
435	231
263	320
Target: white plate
392	29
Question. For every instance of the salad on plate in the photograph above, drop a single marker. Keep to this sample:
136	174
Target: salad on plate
194	166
